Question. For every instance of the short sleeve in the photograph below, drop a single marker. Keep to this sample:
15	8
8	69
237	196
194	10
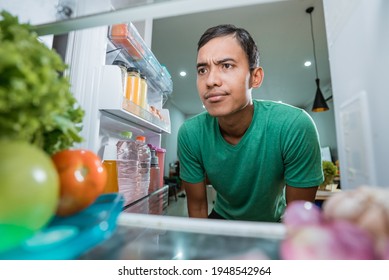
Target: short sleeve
189	155
301	152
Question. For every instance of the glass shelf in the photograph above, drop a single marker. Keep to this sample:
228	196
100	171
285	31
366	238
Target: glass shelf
111	101
153	123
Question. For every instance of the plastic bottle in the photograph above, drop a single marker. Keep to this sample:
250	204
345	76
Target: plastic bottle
123	68
109	162
143	92
133	85
127	166
160	152
144	164
154	172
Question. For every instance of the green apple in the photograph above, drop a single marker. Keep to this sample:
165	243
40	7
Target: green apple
29	190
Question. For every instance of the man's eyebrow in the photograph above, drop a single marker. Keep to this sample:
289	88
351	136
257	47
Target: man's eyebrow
221	61
201	64
227	59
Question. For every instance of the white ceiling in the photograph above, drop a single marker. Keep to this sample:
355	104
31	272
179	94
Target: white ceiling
282	32
280	28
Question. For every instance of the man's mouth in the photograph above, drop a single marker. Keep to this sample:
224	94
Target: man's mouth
214	97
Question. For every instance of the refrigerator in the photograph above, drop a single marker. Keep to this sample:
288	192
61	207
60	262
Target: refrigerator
361	139
84	40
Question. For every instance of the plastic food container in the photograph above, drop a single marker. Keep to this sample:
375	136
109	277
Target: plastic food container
69	237
122	37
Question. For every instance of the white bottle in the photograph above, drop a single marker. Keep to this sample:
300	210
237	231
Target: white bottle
127	165
144	164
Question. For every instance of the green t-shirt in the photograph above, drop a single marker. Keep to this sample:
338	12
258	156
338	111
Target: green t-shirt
281	146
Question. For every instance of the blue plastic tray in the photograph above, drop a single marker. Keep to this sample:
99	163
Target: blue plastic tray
69	237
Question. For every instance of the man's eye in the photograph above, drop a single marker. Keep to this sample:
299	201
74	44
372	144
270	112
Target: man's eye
227	65
201	70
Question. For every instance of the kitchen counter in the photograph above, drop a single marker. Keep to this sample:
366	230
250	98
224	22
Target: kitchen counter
324	195
145	237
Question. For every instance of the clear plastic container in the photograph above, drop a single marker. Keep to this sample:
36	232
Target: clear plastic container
123	36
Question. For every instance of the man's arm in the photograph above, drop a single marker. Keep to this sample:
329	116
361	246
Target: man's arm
293	194
197	199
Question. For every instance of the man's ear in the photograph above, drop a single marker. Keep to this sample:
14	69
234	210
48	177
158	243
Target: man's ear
256	77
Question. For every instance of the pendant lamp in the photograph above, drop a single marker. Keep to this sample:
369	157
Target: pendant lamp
319	105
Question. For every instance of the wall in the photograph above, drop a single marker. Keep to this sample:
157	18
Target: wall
169	141
358	41
325	123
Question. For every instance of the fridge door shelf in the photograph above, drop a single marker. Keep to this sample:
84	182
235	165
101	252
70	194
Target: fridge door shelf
112	101
135	51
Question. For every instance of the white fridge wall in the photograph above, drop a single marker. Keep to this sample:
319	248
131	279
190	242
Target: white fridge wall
358	44
33	12
86	56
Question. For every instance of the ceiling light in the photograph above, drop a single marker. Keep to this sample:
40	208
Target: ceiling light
182	73
307	63
319	105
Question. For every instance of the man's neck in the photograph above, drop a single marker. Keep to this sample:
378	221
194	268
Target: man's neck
234	126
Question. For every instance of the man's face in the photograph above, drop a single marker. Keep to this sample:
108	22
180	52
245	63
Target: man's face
223	76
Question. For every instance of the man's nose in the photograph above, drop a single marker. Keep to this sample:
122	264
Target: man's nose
213	78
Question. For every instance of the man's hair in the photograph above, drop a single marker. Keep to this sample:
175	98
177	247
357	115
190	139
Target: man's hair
243	36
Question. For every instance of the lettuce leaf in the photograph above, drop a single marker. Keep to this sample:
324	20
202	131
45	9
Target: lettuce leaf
36	104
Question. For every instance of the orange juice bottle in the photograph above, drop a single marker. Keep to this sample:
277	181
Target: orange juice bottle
109	163
133	85
143	92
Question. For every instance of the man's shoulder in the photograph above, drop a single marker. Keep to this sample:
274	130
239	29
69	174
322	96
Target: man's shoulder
199	117
278	110
277	105
198	120
195	123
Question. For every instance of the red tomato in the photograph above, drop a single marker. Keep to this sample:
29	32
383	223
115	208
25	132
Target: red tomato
82	179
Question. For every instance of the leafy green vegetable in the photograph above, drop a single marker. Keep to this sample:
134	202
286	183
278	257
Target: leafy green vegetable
36	104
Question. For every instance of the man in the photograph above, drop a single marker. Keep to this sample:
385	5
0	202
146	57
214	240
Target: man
258	155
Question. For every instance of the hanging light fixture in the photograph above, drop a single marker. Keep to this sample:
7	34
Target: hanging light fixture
319	105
